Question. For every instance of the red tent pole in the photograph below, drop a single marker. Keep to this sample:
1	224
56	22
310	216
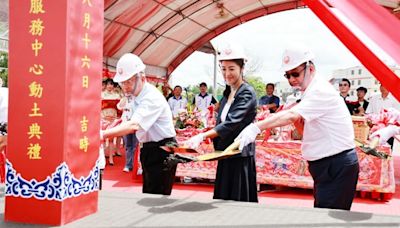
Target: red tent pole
382	72
375	21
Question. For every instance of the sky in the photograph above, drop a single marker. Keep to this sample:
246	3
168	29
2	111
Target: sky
264	40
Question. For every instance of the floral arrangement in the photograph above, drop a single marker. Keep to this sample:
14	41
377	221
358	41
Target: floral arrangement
193	118
188	119
211	117
284	133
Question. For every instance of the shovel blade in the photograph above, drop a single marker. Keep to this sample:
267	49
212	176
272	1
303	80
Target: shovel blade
178	149
217	155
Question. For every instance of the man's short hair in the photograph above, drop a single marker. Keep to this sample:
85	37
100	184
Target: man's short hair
270	84
203	84
346	80
362	89
178	86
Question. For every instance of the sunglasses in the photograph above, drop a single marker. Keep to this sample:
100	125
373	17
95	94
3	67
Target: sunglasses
294	74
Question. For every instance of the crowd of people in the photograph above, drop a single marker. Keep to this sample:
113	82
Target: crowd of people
360	106
319	110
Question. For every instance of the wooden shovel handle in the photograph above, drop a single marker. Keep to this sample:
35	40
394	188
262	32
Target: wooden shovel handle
233	146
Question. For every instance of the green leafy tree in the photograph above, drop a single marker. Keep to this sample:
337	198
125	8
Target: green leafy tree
4	67
258	85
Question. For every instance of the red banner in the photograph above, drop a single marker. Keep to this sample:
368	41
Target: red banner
54	66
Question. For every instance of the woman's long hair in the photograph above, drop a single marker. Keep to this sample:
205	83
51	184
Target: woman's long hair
240	63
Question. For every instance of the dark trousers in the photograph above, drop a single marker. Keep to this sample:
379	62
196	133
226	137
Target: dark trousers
157	179
335	180
130	141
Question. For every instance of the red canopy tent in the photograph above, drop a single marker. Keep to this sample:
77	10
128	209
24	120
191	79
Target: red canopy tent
165	32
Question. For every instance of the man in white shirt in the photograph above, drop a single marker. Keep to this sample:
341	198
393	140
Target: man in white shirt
203	99
151	120
384	100
328	138
177	103
130	140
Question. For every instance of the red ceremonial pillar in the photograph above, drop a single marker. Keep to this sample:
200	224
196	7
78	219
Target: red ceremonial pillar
55	65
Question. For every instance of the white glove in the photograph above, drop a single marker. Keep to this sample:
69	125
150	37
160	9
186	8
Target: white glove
386	133
194	142
393	115
248	135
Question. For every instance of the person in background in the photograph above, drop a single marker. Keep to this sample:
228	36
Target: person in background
167	91
384	100
203	99
236	175
361	104
130	140
386	134
270	100
177	102
328	137
151	120
344	88
110	97
110	92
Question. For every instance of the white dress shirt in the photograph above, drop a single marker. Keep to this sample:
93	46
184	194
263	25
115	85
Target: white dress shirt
152	112
377	103
328	128
202	102
177	104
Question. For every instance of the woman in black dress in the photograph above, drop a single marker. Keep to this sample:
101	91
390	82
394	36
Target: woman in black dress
236	175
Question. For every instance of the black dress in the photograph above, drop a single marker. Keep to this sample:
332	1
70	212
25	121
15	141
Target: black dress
236	177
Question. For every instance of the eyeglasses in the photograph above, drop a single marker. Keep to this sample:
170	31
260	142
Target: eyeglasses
343	85
294	74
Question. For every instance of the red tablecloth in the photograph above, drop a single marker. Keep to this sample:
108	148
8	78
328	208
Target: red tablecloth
280	163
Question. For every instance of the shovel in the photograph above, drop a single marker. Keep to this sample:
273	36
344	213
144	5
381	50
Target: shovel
218	155
371	149
177	149
173	147
174	159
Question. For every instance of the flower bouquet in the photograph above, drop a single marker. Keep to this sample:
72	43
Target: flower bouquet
191	119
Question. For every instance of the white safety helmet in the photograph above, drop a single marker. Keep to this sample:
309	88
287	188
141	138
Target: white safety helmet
295	56
128	66
230	51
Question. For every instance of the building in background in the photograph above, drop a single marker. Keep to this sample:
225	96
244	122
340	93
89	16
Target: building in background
360	76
